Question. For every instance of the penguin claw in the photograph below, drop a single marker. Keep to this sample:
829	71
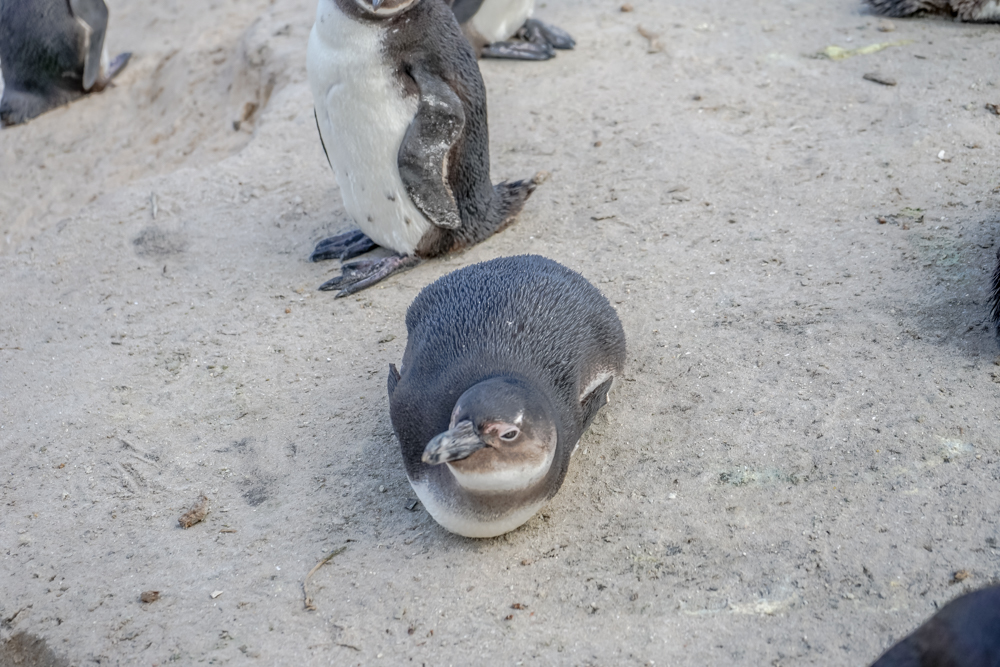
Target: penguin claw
342	246
356	276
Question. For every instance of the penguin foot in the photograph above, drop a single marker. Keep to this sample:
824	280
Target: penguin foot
342	246
115	67
538	32
356	276
118	64
518	51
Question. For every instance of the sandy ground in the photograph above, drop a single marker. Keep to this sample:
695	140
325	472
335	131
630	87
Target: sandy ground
804	451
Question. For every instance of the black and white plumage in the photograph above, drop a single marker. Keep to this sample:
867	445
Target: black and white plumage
490	26
981	11
401	110
51	53
965	633
506	364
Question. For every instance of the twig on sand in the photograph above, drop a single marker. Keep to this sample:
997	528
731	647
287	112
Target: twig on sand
305	583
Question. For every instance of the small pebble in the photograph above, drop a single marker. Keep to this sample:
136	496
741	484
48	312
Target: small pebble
627	7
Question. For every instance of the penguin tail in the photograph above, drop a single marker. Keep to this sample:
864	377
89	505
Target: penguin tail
995	298
509	198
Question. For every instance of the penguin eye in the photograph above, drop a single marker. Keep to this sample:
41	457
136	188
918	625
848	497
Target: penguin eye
510	434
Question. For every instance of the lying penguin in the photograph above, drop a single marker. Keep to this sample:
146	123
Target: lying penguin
982	11
401	111
506	364
51	53
965	633
490	24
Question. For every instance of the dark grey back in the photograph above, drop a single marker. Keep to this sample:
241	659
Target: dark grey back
965	632
526	317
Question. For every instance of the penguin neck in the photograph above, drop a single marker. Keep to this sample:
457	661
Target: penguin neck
512	478
473	514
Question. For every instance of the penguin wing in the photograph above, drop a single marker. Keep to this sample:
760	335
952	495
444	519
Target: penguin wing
393	379
423	155
93	14
595	400
465	9
322	143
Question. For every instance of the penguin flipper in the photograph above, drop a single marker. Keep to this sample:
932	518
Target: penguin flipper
423	155
321	142
94	15
393	379
595	400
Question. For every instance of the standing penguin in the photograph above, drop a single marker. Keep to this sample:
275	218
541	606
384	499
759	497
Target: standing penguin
965	633
52	52
490	24
401	111
982	11
506	364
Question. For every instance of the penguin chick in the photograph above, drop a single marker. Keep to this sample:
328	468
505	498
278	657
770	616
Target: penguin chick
995	298
401	111
982	11
489	26
965	633
506	364
51	53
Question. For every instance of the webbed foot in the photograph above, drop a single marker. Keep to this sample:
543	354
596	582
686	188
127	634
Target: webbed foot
518	51
539	32
118	63
114	68
356	276
342	246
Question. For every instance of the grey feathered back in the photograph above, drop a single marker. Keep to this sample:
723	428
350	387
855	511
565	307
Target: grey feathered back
525	316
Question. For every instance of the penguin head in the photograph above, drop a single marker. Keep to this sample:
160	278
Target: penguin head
501	437
384	8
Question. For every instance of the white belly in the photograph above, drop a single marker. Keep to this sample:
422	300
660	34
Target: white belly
459	524
363	117
498	20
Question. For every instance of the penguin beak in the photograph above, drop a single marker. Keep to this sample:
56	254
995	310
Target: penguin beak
456	443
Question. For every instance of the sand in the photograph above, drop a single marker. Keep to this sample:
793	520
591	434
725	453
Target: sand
802	455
